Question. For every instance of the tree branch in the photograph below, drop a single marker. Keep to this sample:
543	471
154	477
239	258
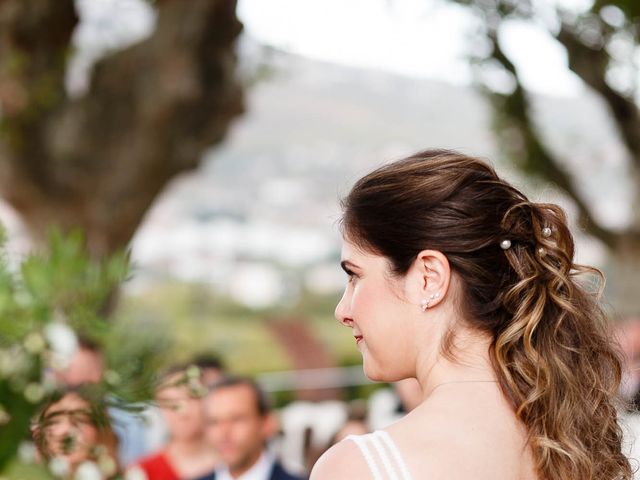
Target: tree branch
591	66
534	156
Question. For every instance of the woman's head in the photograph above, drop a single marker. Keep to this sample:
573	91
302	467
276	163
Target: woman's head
75	428
444	201
434	218
180	400
506	266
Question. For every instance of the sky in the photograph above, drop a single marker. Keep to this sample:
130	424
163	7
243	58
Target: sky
416	38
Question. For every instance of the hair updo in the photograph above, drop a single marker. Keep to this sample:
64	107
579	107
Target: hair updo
551	348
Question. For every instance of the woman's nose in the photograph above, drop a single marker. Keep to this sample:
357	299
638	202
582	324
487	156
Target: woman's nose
342	312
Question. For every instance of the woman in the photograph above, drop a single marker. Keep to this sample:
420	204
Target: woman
458	280
73	431
186	455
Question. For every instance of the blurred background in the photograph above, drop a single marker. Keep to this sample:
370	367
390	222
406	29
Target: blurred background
214	140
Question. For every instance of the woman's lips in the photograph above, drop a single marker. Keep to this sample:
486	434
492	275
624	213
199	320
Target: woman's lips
358	338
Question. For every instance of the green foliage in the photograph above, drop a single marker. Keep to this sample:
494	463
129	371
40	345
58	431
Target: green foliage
51	295
135	355
24	470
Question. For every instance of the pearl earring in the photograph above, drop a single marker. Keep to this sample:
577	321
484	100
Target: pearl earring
424	304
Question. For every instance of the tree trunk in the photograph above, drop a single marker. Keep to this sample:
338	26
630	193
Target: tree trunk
99	161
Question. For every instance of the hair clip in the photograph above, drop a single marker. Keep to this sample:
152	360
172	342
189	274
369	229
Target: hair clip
546	232
505	244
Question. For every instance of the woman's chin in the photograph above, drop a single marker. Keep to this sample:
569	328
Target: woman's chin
373	374
376	373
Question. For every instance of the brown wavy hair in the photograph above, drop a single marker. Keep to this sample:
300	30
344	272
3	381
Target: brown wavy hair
551	347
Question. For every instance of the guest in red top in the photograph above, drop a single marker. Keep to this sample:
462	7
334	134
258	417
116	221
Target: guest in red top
186	455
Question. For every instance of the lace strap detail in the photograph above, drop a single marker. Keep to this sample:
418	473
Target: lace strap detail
395	453
361	442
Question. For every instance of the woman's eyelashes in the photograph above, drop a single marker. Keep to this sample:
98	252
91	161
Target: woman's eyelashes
350	273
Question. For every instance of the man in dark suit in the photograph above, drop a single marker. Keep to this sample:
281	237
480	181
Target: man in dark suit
238	423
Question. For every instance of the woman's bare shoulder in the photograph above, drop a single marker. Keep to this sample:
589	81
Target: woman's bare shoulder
343	461
458	440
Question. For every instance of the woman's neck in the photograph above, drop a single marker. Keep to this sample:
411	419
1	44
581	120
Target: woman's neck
186	447
191	458
470	363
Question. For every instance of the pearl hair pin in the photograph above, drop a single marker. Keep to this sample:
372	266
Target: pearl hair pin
546	233
424	304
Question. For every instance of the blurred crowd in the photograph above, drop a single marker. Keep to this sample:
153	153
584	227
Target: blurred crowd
203	423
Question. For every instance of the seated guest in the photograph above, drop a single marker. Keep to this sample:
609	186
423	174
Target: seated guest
239	425
211	368
186	455
87	365
74	429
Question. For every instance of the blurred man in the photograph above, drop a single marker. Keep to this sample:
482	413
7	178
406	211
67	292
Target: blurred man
238	424
211	368
86	365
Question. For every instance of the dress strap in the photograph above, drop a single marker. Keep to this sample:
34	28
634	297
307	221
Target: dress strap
384	456
395	453
381	454
361	442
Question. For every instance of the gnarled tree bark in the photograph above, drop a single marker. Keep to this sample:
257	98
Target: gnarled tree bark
590	61
97	162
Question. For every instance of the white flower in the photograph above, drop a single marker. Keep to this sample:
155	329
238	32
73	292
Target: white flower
63	342
27	452
34	392
107	465
14	362
59	466
135	473
34	342
111	377
56	362
88	471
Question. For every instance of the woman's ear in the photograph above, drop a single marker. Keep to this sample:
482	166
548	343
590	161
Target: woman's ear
430	276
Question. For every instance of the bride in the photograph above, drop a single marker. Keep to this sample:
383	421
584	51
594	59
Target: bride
457	279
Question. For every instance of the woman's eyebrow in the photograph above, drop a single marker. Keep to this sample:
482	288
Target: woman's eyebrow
347	266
